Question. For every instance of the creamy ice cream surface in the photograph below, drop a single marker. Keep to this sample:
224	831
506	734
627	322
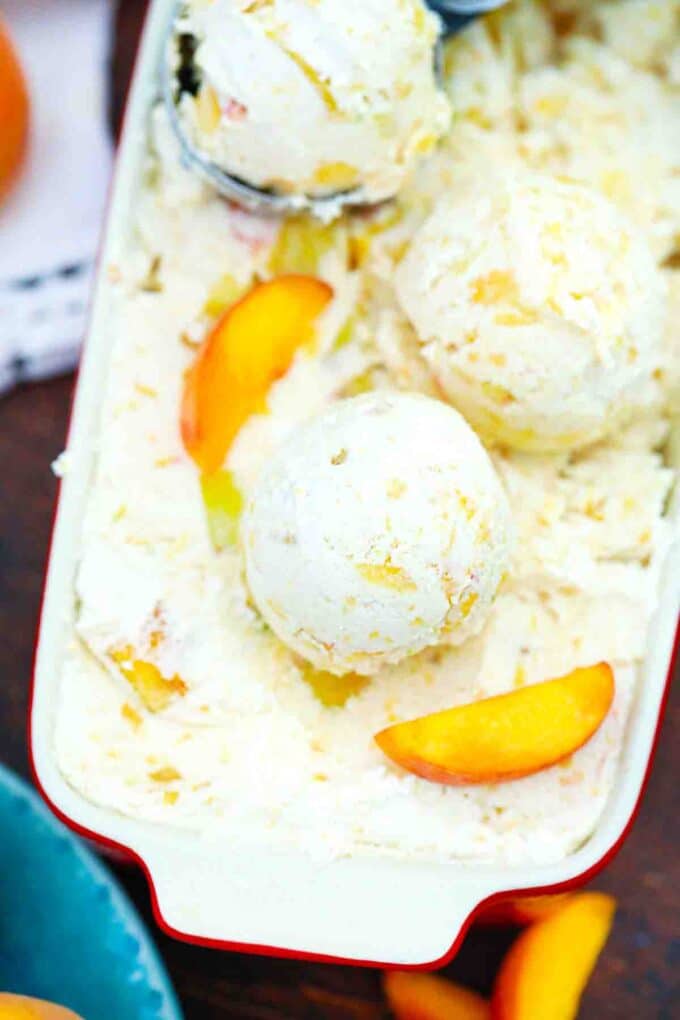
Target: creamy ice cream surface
379	529
314	97
539	307
196	697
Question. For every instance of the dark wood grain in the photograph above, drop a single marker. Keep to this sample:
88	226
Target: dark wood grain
637	978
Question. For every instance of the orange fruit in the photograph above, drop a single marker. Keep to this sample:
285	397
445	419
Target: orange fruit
18	1007
14	112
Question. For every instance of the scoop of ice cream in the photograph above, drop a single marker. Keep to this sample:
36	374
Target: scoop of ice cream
539	309
378	529
312	97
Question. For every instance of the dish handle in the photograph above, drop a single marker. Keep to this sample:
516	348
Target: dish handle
348	910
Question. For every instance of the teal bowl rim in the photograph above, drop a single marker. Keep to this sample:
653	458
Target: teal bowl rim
143	952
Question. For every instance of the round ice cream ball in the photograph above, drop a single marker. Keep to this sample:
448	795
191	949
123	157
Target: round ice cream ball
378	529
539	309
312	98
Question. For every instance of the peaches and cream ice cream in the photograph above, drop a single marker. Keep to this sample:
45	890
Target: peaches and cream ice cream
379	529
539	308
313	98
219	599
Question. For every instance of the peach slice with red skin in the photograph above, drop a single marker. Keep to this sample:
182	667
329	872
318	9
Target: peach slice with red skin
251	346
547	968
507	736
414	996
14	112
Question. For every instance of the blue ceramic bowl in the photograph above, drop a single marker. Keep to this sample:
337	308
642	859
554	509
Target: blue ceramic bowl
67	931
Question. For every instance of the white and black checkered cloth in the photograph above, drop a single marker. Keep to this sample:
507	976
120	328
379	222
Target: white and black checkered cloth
42	321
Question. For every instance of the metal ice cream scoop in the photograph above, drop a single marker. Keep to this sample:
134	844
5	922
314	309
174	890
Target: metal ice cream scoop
182	77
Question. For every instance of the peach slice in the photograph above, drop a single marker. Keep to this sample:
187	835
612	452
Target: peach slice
14	112
250	347
302	242
224	293
523	909
427	997
544	974
155	691
223	504
504	737
19	1007
331	690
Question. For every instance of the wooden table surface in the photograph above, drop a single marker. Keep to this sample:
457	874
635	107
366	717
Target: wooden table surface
638	975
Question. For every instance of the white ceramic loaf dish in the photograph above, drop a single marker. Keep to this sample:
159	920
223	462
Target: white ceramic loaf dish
357	909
